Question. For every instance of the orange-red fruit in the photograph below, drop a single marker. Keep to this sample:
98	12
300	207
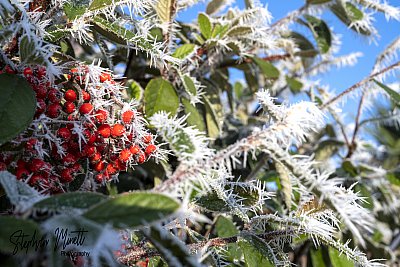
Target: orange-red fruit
111	169
70	95
101	115
105	77
104	130
66	176
147	139
125	155
117	130
150	149
99	166
127	116
86	108
141	158
85	96
53	110
134	149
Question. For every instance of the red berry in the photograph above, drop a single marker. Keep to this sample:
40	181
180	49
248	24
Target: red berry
53	96
96	157
127	116
141	158
9	70
66	176
104	130
86	108
21	164
70	95
41	72
30	144
53	110
90	150
21	173
134	149
85	96
28	72
111	169
101	116
41	91
91	139
35	179
69	159
37	165
41	106
76	167
150	149
100	178
64	133
99	166
117	130
147	139
125	155
3	166
69	107
105	77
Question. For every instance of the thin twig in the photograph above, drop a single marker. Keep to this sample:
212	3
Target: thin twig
360	83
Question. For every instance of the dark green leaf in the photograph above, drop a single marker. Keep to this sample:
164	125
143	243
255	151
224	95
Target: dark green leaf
183	51
135	90
294	84
321	33
317	2
74	10
99	4
348	14
160	95
205	25
317	258
11	228
269	70
225	227
392	93
27	52
393	178
132	209
17	106
213	125
195	119
70	201
327	148
171	248
189	85
239	30
256	251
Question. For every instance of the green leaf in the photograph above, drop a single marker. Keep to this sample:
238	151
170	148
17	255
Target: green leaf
17	106
225	227
246	196
321	33
74	10
348	14
132	209
160	95
213	126
11	228
165	9
135	90
183	51
269	70
392	93
317	258
171	248
239	30
189	85
214	6
238	89
195	119
327	148
338	260
205	25
294	84
349	168
27	52
317	2
256	252
393	178
99	4
70	201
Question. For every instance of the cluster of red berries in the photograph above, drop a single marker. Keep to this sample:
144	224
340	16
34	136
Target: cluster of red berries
80	130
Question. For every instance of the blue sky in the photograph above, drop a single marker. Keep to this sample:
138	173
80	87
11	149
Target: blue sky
338	79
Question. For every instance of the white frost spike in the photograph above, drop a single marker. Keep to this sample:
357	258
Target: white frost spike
189	144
